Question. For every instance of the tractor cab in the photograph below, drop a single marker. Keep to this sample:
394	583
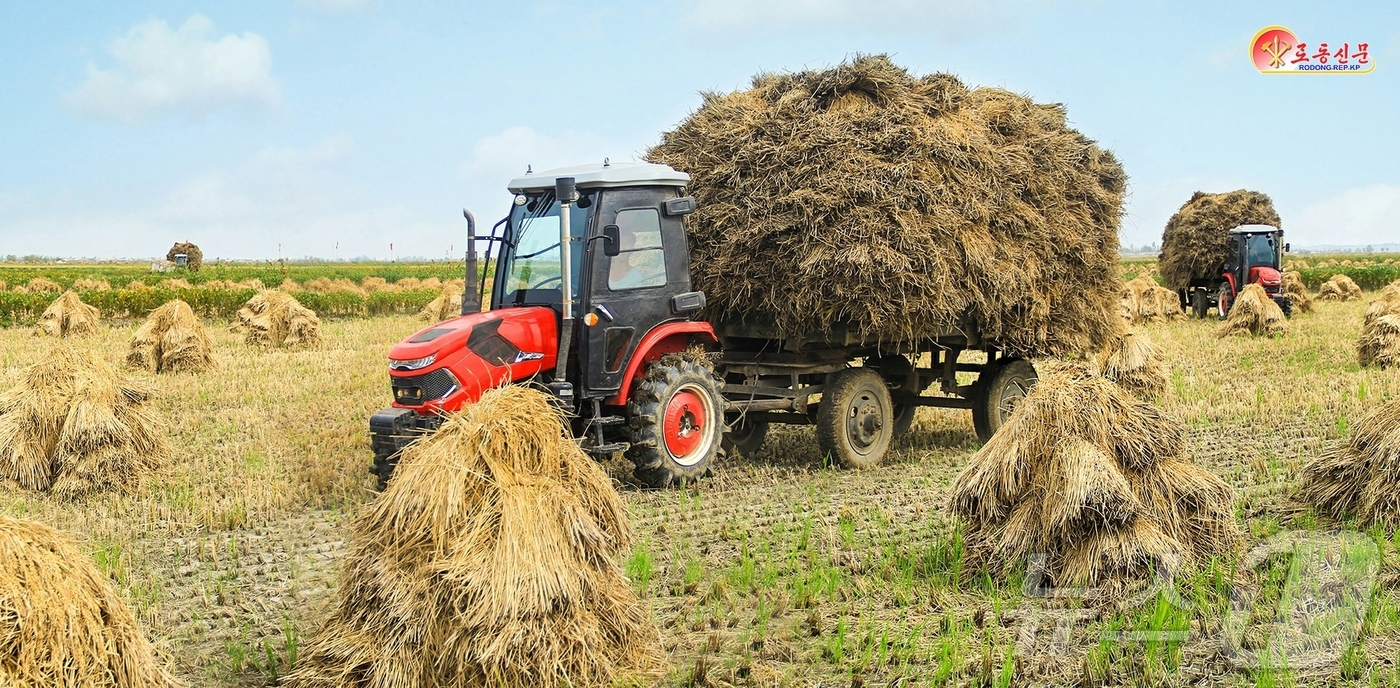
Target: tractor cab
1255	257
590	289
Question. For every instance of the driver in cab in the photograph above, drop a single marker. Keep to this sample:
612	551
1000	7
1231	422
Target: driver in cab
641	262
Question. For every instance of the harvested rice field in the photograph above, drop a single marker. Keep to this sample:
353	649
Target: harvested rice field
779	570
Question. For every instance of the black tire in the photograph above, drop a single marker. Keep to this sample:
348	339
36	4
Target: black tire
697	437
997	392
1223	299
745	438
385	460
895	370
1200	303
855	420
1286	305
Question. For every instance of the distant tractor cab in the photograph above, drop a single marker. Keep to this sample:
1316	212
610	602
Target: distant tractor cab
1256	257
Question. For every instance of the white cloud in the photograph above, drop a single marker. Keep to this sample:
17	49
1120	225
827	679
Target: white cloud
187	71
944	17
1364	215
341	6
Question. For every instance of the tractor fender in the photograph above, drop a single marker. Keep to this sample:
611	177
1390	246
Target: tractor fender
666	338
1230	280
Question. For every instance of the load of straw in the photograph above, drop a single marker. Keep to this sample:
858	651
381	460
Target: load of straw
1297	291
1196	241
74	425
1253	313
193	256
1095	480
275	318
446	306
488	561
901	206
173	339
61	623
1339	288
1358	477
68	316
1379	342
1144	301
1137	365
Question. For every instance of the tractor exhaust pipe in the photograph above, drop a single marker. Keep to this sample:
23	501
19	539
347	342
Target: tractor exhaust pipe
564	191
471	295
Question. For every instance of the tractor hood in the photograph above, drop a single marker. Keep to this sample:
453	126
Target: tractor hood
448	365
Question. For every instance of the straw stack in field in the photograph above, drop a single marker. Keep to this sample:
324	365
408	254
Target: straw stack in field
1379	342
1137	365
1296	290
173	339
1096	480
74	425
1339	288
1358	477
68	316
61	623
899	205
91	284
41	285
488	561
275	318
1145	301
194	257
1196	241
447	305
1253	313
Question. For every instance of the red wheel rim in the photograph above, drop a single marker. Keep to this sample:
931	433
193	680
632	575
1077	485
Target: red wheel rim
684	424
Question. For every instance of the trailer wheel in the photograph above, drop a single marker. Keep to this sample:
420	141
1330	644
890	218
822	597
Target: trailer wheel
855	421
745	437
997	392
677	421
1200	303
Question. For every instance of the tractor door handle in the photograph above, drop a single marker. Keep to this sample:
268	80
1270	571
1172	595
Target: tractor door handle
603	311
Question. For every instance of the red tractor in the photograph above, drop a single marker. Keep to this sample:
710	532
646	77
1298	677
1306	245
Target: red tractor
592	301
1256	257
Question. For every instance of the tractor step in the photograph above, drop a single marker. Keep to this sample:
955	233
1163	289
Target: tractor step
606	421
606	449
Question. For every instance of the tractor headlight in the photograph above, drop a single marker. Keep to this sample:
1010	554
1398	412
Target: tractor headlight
413	363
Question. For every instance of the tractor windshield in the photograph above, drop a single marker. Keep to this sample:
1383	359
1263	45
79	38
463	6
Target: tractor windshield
530	268
1261	250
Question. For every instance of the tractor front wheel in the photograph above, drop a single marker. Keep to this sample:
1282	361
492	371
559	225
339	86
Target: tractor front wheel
1200	303
677	421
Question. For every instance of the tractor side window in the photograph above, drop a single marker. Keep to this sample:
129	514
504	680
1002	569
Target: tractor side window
641	261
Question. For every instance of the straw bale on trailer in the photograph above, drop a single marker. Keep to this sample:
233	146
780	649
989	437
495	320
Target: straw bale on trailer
74	425
1137	365
61	623
1358	477
173	339
1196	241
1096	480
194	257
1379	342
863	195
1144	301
68	316
1339	288
1296	290
275	318
1253	313
447	305
488	561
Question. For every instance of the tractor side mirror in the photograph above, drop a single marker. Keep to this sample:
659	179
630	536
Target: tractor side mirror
1287	249
612	240
677	207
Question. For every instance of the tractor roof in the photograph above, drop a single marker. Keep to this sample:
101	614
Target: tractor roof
602	176
1254	229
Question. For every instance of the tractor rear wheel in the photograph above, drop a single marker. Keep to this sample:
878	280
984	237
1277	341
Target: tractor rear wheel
677	421
997	392
855	420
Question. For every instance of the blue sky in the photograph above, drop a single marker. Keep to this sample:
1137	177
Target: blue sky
259	129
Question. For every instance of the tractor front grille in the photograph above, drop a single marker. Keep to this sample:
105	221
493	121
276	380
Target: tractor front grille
416	390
